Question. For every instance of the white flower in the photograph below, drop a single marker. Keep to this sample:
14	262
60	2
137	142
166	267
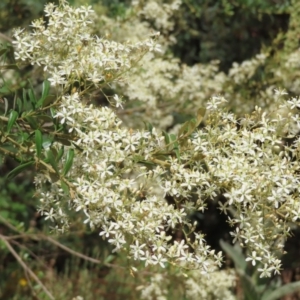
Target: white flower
158	259
137	251
253	258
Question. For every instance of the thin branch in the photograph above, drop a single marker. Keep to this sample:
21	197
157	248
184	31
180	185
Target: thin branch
29	251
5	37
25	267
9	225
53	241
30	285
93	260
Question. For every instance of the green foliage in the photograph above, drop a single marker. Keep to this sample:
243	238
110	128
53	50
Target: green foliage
255	287
16	202
229	31
19	12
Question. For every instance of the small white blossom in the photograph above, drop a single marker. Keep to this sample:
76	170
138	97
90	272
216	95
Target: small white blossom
253	258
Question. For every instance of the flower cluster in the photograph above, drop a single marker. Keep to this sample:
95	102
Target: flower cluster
113	187
159	12
217	285
121	177
69	52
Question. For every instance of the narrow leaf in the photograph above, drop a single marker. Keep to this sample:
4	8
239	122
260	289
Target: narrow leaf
60	154
240	266
45	92
51	160
148	126
12	120
38	143
175	145
24	94
5	106
282	291
19	169
54	177
167	138
32	122
141	160
5	90
69	162
19	105
173	139
235	255
46	88
49	99
32	97
65	187
63	141
47	142
183	129
200	115
3	51
26	103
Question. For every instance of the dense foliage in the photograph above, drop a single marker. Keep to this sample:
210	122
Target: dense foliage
131	130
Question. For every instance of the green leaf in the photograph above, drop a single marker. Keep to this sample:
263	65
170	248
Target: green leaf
5	106
250	291
109	259
24	94
63	141
167	138
60	154
52	112
19	169
69	161
235	254
173	139
46	88
54	177
5	90
65	187
282	291
45	92
26	103
51	159
32	122
49	99
12	120
46	119
38	143
141	160
19	105
148	126
47	142
32	98
3	50
24	136
189	127
200	115
184	129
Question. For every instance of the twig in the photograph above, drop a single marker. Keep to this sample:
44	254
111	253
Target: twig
53	241
25	267
70	250
9	225
30	285
28	250
5	37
